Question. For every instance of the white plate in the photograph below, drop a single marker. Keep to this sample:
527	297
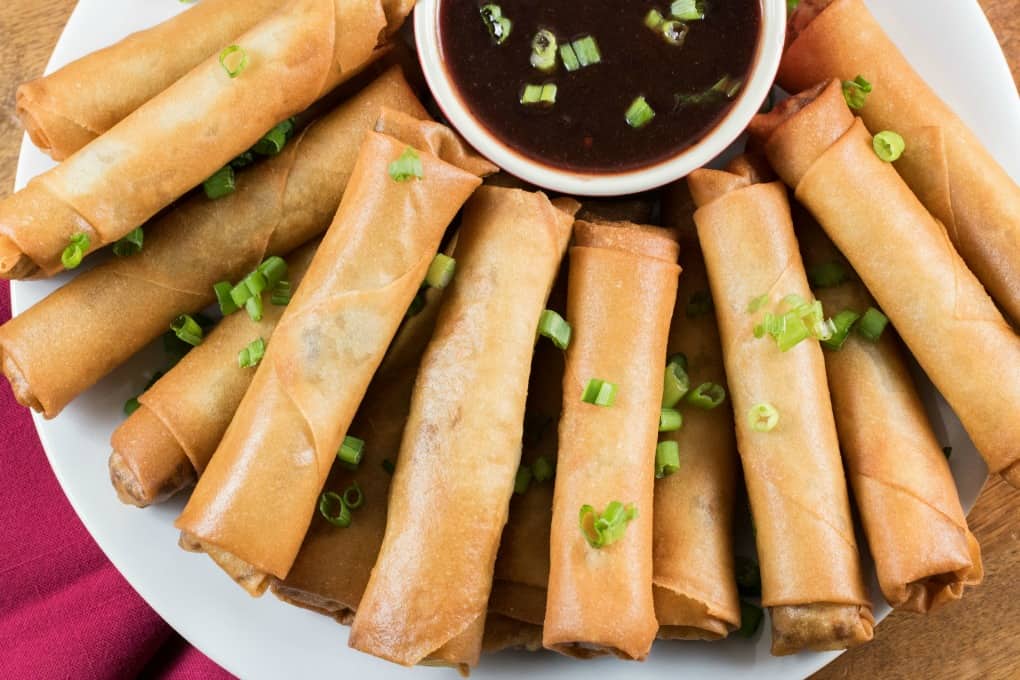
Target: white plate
267	639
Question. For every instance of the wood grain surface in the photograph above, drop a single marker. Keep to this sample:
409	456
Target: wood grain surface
977	637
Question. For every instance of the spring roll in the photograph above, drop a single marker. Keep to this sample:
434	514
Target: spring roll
180	137
945	164
906	260
810	566
504	632
904	492
620	295
694	585
253	504
63	345
165	445
462	444
64	111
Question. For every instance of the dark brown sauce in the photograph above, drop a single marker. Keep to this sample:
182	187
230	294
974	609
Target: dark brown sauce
586	129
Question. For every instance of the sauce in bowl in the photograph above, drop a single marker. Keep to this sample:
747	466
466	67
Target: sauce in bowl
601	86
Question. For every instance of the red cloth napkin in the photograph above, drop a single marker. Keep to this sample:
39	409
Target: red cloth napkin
65	611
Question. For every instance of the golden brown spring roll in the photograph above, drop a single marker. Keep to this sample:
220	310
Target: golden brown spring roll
255	500
620	295
904	492
945	164
179	138
426	601
907	262
810	566
694	583
63	345
64	111
165	445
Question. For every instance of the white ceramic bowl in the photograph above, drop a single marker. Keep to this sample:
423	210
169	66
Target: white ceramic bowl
759	82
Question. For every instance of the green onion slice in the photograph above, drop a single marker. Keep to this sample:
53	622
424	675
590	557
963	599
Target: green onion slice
274	268
888	145
542	469
334	510
639	113
353	497
748	576
243	160
726	87
250	356
254	307
675	384
599	392
569	58
234	60
272	142
587	51
522	480
441	271
750	615
827	274
351	451
872	323
406	167
222	183
707	395
543	50
654	19
75	251
843	322
763	417
670	420
555	327
602	529
687	10
187	329
131	244
679	358
131	405
757	303
539	95
855	92
674	32
281	294
499	26
667	458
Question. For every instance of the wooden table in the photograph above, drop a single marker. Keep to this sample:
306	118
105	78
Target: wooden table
978	636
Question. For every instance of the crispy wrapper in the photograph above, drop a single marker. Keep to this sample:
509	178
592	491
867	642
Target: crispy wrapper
64	111
252	506
504	632
67	342
165	445
620	295
179	138
905	494
945	165
694	585
907	261
810	566
462	444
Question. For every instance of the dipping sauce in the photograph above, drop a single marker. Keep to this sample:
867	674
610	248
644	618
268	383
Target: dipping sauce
626	84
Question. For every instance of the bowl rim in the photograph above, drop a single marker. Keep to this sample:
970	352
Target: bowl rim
764	67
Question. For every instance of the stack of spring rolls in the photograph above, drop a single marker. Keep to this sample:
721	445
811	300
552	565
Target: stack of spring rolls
505	400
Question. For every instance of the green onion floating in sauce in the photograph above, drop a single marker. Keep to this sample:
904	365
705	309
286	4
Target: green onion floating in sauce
250	356
843	322
750	617
888	145
130	244
406	167
221	183
675	384
569	58
353	496
75	251
725	88
587	51
699	303
351	451
523	480
763	417
687	10
272	142
607	527
542	470
654	19
554	327
827	274
539	95
639	113
599	392
543	50
674	32
499	26
872	323
334	510
441	271
855	92
234	60
707	395
187	329
670	420
667	458
280	297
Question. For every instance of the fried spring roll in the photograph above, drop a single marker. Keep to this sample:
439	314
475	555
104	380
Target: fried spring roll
504	632
255	500
63	345
810	566
179	138
944	163
694	584
917	531
426	602
165	445
620	295
64	111
907	261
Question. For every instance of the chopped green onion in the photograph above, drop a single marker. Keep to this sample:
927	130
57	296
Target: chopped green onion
351	452
274	268
602	529
587	51
272	142
499	26
872	323
543	95
220	184
724	88
254	307
763	417
675	384
679	358
674	32
131	244
793	332
855	92
827	274
522	480
569	58
888	145
707	395
757	303
824	330
654	19
187	329
699	303
334	510
667	458
599	392
441	271
947	451
407	166
639	113
670	420
354	498
542	470
280	296
243	160
131	405
554	327
750	615
748	576
843	322
543	50
237	57
250	356
388	465
75	250
688	10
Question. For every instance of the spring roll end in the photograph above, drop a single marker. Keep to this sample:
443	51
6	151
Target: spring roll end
1012	474
339	611
820	627
20	385
685	618
249	577
14	264
44	127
